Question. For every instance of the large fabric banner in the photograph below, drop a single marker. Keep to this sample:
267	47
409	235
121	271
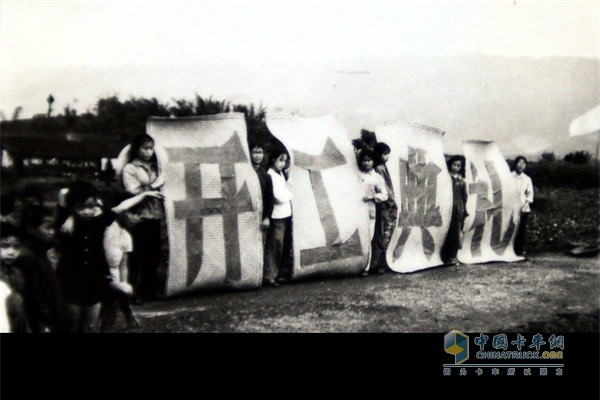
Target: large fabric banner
212	202
493	205
330	220
423	191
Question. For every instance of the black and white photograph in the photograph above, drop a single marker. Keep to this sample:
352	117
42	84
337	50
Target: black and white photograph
294	166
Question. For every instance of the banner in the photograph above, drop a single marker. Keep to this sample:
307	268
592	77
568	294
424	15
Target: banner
330	220
423	191
212	202
587	123
493	205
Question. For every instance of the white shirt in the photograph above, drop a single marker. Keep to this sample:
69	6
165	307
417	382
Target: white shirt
374	186
117	241
525	190
282	196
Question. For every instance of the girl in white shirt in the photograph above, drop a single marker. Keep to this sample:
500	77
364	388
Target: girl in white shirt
375	191
526	197
279	237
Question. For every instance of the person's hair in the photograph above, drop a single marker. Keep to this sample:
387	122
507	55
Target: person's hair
275	155
32	191
7	204
381	148
462	163
9	230
79	192
517	159
32	217
261	145
136	143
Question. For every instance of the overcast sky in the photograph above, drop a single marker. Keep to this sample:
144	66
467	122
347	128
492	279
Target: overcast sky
43	34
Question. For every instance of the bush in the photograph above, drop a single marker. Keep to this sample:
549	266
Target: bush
578	157
548	156
563	175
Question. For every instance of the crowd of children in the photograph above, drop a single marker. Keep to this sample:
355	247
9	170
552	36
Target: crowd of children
71	269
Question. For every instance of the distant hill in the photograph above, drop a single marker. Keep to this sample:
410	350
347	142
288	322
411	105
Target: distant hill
524	104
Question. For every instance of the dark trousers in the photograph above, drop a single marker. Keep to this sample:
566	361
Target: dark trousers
114	300
453	240
520	238
385	220
145	258
278	249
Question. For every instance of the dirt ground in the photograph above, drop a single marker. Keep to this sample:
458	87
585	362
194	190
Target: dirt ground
547	293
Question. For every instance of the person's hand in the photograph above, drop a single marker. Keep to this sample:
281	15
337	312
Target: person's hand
155	194
123	287
68	226
265	224
366	198
158	182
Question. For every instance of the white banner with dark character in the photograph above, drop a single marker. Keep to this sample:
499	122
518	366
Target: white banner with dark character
493	205
423	191
213	202
330	220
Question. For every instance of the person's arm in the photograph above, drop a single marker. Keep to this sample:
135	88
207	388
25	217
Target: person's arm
127	204
529	191
268	198
380	193
123	269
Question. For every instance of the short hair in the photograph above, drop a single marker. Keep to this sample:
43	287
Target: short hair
79	192
7	204
32	217
32	191
517	159
9	230
457	158
254	145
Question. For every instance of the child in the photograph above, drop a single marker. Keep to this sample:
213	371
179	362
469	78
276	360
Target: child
375	191
82	269
141	175
279	236
257	156
257	153
39	239
453	242
118	246
525	186
386	212
26	310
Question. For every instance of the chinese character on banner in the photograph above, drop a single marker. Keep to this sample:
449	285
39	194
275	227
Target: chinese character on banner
479	371
527	372
463	372
447	371
495	371
510	372
543	371
417	208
